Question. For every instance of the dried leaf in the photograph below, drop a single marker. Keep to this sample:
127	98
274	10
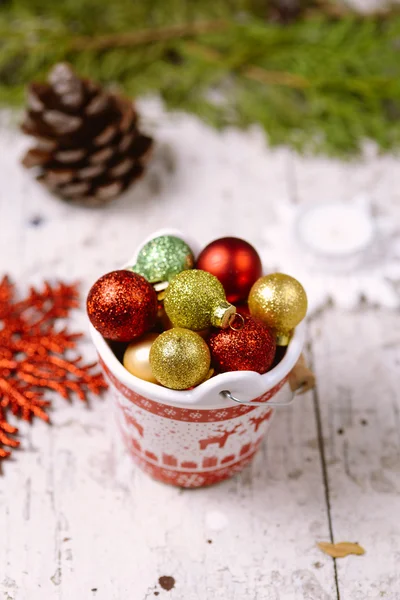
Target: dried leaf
341	549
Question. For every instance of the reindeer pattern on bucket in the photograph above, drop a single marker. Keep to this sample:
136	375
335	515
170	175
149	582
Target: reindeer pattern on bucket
172	448
258	421
220	438
129	417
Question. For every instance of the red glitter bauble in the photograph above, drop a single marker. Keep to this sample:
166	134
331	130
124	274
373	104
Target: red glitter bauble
122	306
251	348
235	263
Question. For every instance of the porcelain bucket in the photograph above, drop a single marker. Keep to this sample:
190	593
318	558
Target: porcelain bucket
201	436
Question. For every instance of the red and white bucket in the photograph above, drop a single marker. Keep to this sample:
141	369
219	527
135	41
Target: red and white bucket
201	436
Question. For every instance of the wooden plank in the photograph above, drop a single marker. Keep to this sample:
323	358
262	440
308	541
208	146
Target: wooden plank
79	520
83	517
356	359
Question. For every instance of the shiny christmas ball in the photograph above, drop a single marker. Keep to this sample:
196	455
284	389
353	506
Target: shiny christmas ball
137	357
235	263
180	359
162	258
122	306
280	302
250	348
196	300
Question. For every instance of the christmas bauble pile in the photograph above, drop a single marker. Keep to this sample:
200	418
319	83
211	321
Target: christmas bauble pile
187	320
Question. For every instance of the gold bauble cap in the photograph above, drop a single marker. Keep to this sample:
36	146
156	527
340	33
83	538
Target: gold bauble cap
222	315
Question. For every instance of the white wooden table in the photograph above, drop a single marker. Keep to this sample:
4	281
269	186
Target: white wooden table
78	520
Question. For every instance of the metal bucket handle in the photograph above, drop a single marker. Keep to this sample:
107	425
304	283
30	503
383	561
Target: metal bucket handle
227	394
301	379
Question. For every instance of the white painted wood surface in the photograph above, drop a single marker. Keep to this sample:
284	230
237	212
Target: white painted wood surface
78	520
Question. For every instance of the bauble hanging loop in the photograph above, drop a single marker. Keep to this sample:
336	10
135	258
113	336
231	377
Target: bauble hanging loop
236	317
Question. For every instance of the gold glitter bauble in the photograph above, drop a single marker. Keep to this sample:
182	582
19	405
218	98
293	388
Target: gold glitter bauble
280	302
137	357
196	300
180	359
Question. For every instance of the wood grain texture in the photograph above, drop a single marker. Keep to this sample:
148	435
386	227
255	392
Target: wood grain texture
78	520
358	378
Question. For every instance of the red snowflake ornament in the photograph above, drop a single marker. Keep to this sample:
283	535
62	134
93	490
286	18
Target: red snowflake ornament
33	356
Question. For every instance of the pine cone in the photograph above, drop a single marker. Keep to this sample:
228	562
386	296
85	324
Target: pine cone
89	148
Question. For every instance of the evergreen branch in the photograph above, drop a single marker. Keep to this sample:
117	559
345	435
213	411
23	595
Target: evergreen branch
291	80
324	82
252	71
275	77
146	36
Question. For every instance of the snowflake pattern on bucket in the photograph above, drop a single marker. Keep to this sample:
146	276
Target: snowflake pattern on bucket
186	447
186	414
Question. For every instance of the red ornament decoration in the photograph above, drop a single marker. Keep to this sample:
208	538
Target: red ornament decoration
33	356
235	263
250	348
122	305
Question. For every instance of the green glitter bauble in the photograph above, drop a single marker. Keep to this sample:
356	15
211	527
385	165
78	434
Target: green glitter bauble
180	359
162	258
196	300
